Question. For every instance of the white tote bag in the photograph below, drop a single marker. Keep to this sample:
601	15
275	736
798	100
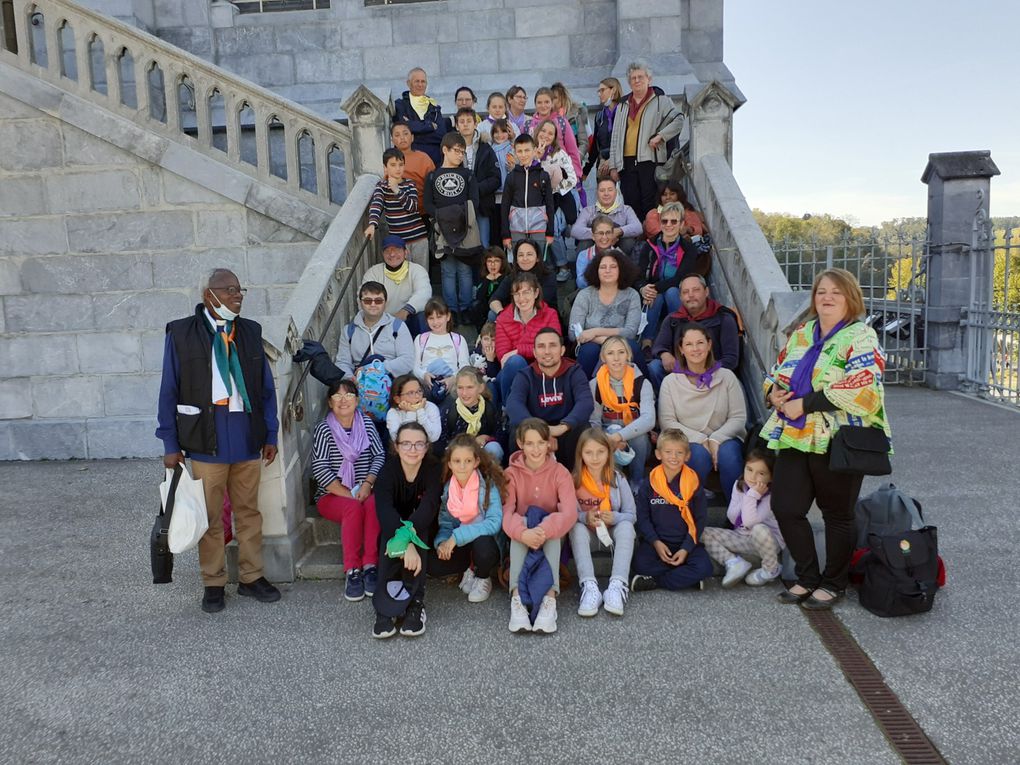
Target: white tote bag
189	520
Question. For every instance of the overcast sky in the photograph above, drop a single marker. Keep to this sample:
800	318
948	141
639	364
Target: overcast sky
846	100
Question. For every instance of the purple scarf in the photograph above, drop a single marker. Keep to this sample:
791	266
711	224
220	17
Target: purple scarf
350	445
700	379
610	115
667	255
800	380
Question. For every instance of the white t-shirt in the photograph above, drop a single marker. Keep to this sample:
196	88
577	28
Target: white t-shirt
430	347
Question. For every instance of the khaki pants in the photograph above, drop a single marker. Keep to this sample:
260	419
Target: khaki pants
241	480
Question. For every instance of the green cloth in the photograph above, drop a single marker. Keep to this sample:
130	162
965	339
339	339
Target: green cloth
403	537
229	365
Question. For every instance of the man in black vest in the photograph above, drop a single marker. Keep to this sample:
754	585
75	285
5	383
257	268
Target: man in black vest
217	402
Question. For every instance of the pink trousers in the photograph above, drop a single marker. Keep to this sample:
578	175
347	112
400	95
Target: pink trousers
359	528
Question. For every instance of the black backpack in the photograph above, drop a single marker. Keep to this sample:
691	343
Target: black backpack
900	562
900	572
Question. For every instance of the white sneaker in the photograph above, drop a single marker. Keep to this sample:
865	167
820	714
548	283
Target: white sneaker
520	621
760	576
736	570
615	596
546	620
481	589
591	599
467	581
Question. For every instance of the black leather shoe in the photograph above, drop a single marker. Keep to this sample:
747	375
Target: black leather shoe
260	589
792	598
213	600
814	604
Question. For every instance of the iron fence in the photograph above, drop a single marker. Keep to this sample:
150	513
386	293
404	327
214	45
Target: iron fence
992	326
892	271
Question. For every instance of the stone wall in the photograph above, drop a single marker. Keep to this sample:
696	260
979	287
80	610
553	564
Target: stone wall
318	58
98	250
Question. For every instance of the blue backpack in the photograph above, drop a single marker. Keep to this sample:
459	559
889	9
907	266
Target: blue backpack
374	382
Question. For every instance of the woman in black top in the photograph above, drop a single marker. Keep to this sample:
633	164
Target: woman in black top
526	258
407	490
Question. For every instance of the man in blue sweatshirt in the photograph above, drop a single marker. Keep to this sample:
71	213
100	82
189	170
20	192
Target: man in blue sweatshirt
555	390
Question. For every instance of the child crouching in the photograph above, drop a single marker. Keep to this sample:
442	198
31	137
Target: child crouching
671	513
755	529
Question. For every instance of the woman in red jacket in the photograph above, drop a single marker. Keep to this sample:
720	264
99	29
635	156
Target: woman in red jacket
516	328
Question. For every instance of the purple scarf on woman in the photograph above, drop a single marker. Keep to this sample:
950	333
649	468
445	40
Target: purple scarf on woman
610	115
700	379
350	445
800	380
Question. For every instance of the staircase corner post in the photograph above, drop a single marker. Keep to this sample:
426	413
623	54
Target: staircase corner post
368	118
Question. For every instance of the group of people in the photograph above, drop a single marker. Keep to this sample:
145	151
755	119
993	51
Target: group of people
603	423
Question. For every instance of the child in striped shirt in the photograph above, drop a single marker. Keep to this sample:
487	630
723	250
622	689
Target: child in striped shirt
395	199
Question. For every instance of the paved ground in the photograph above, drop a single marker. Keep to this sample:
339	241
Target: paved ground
99	665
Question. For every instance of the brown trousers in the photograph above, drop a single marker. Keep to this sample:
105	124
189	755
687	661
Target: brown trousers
241	480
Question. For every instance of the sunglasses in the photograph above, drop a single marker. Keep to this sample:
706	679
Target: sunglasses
373	300
670	221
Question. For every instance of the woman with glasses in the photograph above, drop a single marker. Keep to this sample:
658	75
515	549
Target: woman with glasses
610	94
516	328
407	505
665	261
408	404
347	455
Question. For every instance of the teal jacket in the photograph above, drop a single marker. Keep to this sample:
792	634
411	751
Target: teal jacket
488	524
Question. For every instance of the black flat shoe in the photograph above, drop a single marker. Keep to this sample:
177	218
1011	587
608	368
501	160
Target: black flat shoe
792	598
213	601
260	589
814	604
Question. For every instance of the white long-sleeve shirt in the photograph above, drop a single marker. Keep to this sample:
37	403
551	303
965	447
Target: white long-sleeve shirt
428	416
451	348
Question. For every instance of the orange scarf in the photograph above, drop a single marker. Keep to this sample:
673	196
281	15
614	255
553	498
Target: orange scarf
609	398
688	485
597	490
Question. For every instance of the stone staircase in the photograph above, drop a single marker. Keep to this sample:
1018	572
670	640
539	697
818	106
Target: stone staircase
116	201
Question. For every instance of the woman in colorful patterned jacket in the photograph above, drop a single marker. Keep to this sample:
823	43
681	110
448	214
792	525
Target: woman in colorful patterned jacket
829	376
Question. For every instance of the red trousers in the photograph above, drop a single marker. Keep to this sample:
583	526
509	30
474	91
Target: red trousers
359	528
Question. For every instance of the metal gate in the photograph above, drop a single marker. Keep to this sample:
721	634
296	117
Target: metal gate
992	324
892	271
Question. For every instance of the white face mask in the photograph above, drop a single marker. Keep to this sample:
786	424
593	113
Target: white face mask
224	313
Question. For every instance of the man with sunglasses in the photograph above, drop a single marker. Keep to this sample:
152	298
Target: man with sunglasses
217	404
375	335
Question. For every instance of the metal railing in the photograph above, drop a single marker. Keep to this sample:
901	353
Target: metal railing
179	96
992	325
892	272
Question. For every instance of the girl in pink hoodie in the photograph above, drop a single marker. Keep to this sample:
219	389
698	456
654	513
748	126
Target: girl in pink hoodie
536	479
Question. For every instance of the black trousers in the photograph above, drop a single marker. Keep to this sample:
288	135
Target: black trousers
566	203
483	551
637	182
800	479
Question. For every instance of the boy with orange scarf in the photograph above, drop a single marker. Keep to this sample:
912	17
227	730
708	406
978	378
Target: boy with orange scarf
671	513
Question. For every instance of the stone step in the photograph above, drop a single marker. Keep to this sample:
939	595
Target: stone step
322	561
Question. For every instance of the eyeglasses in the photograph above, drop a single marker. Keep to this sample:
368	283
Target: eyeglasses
670	221
418	392
346	396
231	290
457	149
373	301
412	446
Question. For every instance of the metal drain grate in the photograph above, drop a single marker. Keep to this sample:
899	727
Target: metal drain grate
907	738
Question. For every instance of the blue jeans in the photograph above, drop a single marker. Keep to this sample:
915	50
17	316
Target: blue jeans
656	373
458	283
506	376
670	300
731	463
484	229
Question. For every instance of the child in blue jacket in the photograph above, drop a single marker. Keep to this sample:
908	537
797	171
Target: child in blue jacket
671	513
470	517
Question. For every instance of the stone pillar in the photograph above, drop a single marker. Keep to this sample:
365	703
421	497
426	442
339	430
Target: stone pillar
958	192
710	113
369	119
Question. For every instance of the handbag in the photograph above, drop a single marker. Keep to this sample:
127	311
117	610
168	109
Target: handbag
160	557
189	520
858	449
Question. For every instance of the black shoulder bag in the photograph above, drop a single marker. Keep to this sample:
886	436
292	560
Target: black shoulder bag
159	546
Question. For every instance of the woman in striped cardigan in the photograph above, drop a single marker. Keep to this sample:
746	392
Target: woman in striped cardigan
347	455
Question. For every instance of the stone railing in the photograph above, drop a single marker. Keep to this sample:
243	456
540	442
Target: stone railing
323	301
157	85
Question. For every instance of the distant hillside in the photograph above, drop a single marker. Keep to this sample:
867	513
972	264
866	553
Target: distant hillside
823	227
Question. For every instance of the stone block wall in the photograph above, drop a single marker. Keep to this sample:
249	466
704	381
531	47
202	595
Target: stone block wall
318	58
98	250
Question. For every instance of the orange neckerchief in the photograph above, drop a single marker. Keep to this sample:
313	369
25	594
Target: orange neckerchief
688	485
609	399
597	490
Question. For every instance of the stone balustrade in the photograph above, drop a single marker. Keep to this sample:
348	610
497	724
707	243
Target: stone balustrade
177	95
